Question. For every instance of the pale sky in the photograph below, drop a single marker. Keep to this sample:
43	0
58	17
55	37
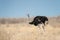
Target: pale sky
19	8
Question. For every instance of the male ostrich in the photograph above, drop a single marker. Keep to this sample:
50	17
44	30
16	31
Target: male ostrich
39	20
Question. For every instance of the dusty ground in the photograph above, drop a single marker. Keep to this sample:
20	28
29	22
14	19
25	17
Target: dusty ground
25	31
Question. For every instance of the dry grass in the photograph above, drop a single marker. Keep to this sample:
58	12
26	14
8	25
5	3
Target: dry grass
25	31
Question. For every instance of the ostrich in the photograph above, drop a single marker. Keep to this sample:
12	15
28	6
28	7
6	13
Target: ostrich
39	20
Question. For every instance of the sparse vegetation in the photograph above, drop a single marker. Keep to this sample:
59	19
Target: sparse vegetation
52	20
19	29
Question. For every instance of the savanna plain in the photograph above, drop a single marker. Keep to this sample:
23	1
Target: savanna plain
20	29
